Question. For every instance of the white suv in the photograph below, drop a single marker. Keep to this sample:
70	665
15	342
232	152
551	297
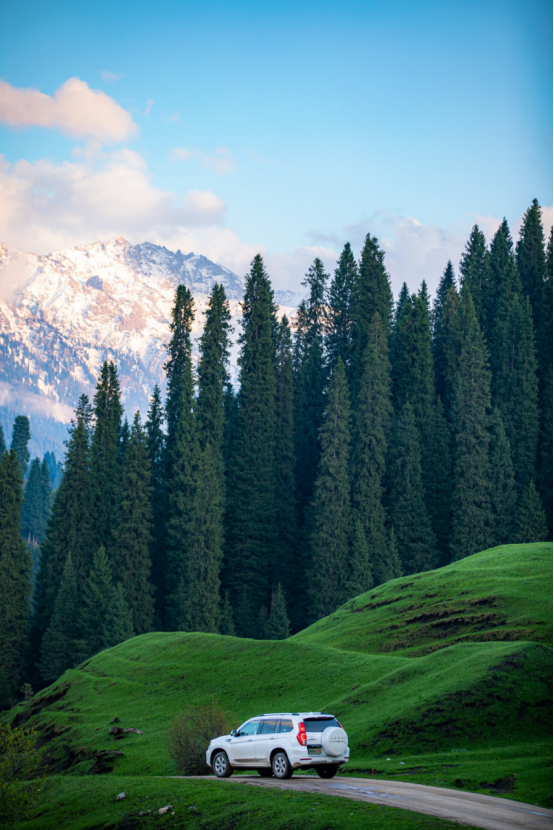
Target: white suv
279	743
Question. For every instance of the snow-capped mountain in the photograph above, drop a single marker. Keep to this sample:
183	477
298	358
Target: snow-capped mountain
63	314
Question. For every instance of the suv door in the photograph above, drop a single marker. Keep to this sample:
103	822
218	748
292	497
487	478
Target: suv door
242	748
265	739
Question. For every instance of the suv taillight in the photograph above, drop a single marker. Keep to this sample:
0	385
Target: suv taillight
338	723
302	738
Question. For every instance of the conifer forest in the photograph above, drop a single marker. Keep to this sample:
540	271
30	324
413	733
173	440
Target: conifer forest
368	438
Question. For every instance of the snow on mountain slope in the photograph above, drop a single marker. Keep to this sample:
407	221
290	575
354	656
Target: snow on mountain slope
63	314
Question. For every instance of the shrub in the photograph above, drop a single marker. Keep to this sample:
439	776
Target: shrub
19	759
191	732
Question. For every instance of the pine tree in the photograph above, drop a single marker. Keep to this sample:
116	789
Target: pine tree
360	578
251	503
278	626
3	447
394	557
15	576
183	454
446	363
60	647
505	283
158	500
45	500
288	570
227	625
118	622
201	605
531	260
412	525
447	282
531	521
503	492
475	275
372	295
439	480
517	390
97	598
70	527
471	519
105	456
330	538
371	427
230	405
55	469
124	435
31	510
311	381
213	375
245	622
545	447
338	338
131	547
21	435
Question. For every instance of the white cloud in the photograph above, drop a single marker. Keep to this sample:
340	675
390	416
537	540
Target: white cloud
221	162
33	403
111	76
74	109
102	195
287	271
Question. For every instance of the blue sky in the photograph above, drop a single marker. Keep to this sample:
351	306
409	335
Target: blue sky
281	127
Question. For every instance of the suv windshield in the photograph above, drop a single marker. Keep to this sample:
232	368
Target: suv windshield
319	724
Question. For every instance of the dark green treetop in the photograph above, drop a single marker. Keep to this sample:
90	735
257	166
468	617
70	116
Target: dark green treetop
21	435
338	338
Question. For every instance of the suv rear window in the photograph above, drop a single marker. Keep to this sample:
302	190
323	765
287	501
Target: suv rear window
285	726
319	724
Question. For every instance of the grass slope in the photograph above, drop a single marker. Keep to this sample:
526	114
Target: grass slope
468	708
502	594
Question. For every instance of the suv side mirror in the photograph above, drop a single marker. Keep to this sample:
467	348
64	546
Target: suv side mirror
233	733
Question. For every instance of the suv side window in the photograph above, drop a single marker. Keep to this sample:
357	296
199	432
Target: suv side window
268	727
285	726
250	728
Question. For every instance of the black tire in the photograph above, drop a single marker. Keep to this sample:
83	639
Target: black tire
221	766
265	773
280	765
327	772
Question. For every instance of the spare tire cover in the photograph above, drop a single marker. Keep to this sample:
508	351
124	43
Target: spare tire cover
334	740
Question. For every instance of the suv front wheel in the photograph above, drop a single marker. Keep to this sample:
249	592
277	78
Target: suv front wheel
221	765
280	765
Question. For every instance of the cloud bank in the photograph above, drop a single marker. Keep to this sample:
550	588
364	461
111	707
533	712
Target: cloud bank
74	109
221	162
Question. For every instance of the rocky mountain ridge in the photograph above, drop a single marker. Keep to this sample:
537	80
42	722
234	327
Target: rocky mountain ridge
64	313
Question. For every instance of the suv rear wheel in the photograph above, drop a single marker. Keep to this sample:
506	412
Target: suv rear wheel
221	765
280	765
327	772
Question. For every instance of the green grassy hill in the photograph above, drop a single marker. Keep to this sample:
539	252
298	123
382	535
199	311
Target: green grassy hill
444	678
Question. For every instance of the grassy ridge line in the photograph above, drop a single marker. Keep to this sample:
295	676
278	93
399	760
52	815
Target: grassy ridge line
88	803
501	594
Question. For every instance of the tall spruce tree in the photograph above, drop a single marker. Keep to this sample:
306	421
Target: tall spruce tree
338	338
360	576
21	435
278	625
70	527
517	394
183	454
502	492
371	429
158	500
118	622
45	500
31	510
331	512
447	281
287	568
15	577
251	502
450	346
471	520
61	648
105	456
531	261
205	553
3	447
372	295
531	521
475	275
131	546
412	525
439	480
227	624
97	598
311	381
545	447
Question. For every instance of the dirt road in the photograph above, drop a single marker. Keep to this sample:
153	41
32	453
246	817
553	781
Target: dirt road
484	811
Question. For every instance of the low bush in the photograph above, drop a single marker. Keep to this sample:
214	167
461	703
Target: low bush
191	732
19	761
